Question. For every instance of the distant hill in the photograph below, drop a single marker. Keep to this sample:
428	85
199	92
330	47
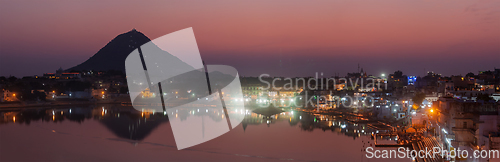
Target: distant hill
113	55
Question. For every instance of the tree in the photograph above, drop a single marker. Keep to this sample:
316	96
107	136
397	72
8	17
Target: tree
398	74
12	79
112	89
470	75
484	97
77	86
123	90
418	98
40	95
3	79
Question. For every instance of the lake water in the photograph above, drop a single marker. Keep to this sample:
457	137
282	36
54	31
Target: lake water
115	132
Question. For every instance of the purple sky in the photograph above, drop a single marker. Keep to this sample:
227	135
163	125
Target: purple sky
284	38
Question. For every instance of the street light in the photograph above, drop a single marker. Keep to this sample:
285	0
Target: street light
383	75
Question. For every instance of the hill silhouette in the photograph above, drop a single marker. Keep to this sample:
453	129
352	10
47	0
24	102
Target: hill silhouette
113	55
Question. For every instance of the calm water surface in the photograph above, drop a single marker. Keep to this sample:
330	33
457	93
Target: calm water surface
114	132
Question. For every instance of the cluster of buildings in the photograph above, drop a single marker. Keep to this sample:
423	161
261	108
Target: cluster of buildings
462	111
62	85
466	124
391	97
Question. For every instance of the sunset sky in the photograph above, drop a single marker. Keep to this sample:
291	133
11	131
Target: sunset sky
280	38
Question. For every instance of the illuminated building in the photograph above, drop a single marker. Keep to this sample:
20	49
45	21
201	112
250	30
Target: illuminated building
60	74
9	96
411	80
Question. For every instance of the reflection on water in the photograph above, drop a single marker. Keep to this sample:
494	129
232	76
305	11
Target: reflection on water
126	122
309	122
131	125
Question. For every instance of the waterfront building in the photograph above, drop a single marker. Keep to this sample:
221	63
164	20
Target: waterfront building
8	96
60	74
467	125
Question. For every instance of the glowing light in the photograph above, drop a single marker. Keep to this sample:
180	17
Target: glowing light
432	110
444	131
448	141
14	119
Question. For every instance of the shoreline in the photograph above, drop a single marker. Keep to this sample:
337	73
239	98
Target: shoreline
20	105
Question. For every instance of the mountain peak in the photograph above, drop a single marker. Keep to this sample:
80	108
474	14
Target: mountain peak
112	56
